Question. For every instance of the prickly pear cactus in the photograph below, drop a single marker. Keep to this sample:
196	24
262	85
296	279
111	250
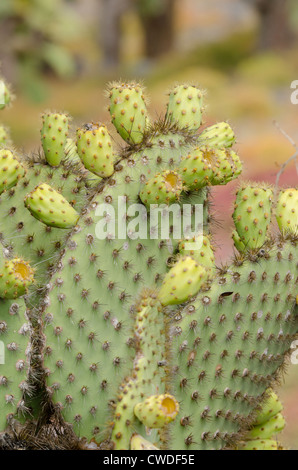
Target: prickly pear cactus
137	341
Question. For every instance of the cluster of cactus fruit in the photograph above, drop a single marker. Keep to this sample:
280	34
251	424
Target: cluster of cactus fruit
140	342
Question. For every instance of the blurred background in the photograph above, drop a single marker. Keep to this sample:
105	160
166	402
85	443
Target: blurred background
59	54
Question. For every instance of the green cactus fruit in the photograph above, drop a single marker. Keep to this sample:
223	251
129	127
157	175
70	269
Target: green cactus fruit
50	207
201	251
164	188
271	408
219	135
197	168
239	245
138	442
287	210
268	429
185	107
95	149
252	215
54	134
16	276
182	282
264	444
4	136
157	411
5	95
11	170
228	165
128	111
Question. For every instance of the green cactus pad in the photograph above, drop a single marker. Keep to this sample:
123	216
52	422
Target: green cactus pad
185	107
54	134
182	282
14	359
228	346
16	276
287	210
50	207
128	111
252	215
219	135
164	188
94	146
11	170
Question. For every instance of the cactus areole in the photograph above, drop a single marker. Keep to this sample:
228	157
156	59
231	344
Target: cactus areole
139	342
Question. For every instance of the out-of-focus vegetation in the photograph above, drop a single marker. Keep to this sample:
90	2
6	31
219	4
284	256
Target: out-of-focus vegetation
35	37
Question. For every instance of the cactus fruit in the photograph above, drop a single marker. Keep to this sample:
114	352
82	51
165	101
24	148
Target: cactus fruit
252	215
11	170
164	188
5	95
197	168
157	410
266	444
16	276
220	135
287	210
50	207
137	442
4	136
182	282
54	133
128	111
94	146
200	249
126	323
185	107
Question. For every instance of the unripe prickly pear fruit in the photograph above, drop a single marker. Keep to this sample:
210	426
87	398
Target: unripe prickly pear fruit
252	215
287	210
185	107
5	95
4	136
228	166
16	276
95	149
268	429
11	170
182	282
157	411
264	444
201	251
54	134
197	168
138	442
219	135
239	245
271	408
164	188
128	111
50	207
